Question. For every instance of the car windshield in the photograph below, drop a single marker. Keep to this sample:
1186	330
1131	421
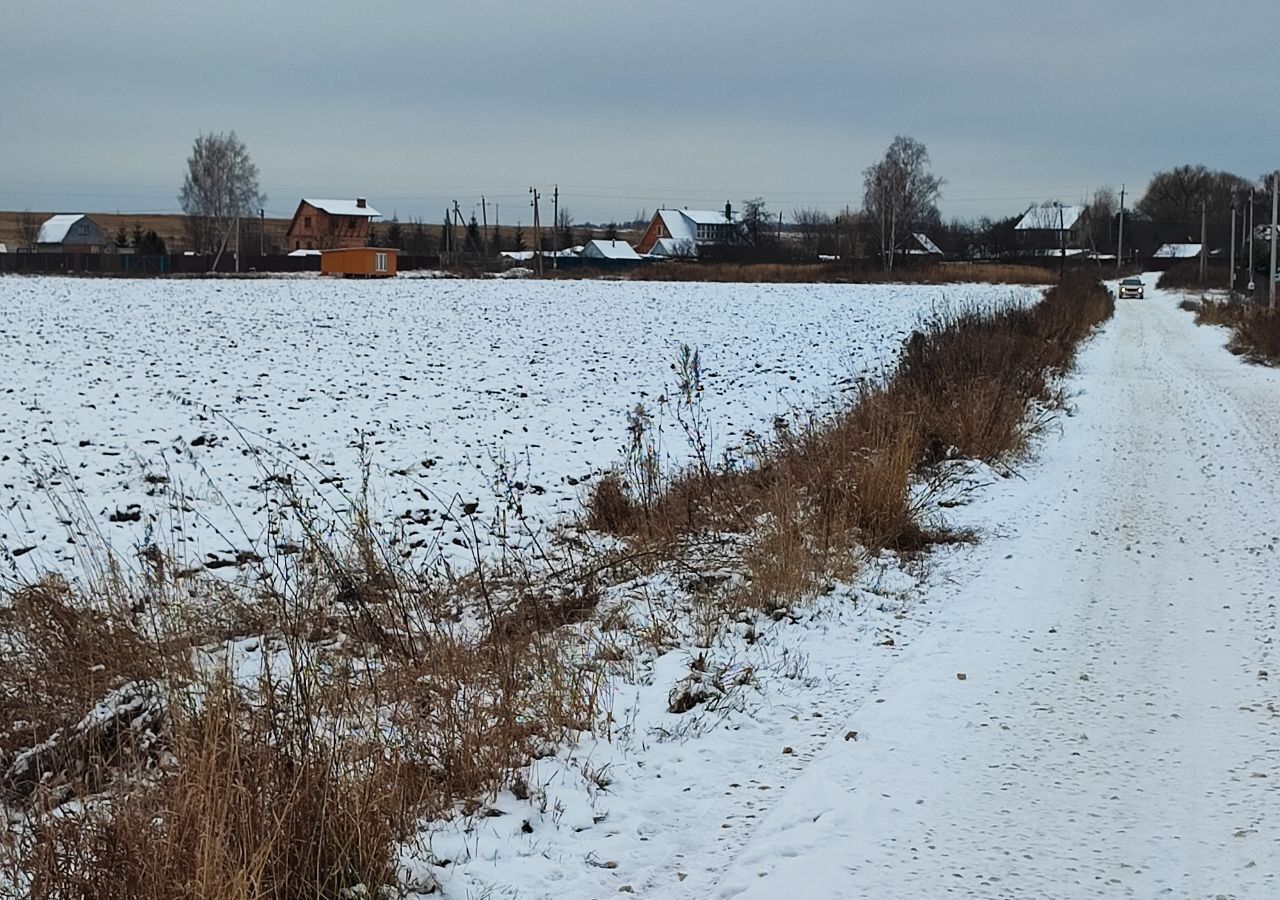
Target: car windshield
1132	281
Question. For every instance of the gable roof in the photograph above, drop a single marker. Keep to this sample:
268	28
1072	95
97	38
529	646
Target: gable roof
1178	251
343	208
55	228
1050	217
682	224
925	244
674	247
610	250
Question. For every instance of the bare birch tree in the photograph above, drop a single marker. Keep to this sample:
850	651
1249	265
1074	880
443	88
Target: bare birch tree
28	230
900	193
221	183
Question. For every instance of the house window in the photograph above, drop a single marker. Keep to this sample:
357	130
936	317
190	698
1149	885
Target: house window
306	222
380	262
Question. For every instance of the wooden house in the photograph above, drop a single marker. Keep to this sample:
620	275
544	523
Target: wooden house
330	224
680	232
359	262
70	233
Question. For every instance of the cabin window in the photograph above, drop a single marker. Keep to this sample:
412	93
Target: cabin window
380	262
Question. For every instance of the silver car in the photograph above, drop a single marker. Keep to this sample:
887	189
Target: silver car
1132	288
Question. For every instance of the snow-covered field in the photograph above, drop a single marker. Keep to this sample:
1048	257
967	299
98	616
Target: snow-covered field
160	410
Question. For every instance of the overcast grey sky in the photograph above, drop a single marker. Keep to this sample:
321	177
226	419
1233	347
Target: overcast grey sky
628	105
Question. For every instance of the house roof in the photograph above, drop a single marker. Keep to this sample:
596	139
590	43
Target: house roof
610	250
55	228
674	247
1178	251
682	224
1050	217
343	208
927	245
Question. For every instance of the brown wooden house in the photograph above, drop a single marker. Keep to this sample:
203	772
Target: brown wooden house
330	224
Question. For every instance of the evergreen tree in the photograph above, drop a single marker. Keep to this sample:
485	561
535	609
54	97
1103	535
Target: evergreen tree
394	233
518	243
122	238
149	243
474	244
137	234
419	243
611	231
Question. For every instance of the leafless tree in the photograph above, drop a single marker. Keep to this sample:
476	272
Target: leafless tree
221	183
1174	198
28	229
816	230
1100	215
901	192
564	228
757	221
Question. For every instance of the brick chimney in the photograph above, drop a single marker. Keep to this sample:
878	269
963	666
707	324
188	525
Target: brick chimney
361	203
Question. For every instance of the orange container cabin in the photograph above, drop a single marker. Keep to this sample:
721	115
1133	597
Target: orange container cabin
359	262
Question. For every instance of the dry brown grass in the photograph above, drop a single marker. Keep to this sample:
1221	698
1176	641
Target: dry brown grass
965	387
1255	330
293	775
838	272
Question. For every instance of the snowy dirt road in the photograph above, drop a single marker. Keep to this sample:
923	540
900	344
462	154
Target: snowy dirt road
1092	712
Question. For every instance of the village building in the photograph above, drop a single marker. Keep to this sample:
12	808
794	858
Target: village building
359	262
680	232
1177	251
1049	227
330	224
70	233
619	251
918	244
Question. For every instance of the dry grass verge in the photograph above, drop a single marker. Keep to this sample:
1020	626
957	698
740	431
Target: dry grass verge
1255	330
964	387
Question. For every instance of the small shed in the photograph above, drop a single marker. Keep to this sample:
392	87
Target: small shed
359	262
70	233
615	250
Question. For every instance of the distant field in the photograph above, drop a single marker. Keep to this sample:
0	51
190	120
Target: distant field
171	228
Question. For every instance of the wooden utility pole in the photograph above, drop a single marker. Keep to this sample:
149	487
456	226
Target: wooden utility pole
262	232
1204	245
537	239
237	243
1275	226
1250	242
1062	243
1120	241
484	223
555	227
1231	278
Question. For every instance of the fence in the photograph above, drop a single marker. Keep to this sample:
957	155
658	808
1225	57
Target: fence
130	265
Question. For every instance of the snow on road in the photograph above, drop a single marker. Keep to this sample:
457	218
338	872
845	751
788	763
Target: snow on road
130	392
1092	712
